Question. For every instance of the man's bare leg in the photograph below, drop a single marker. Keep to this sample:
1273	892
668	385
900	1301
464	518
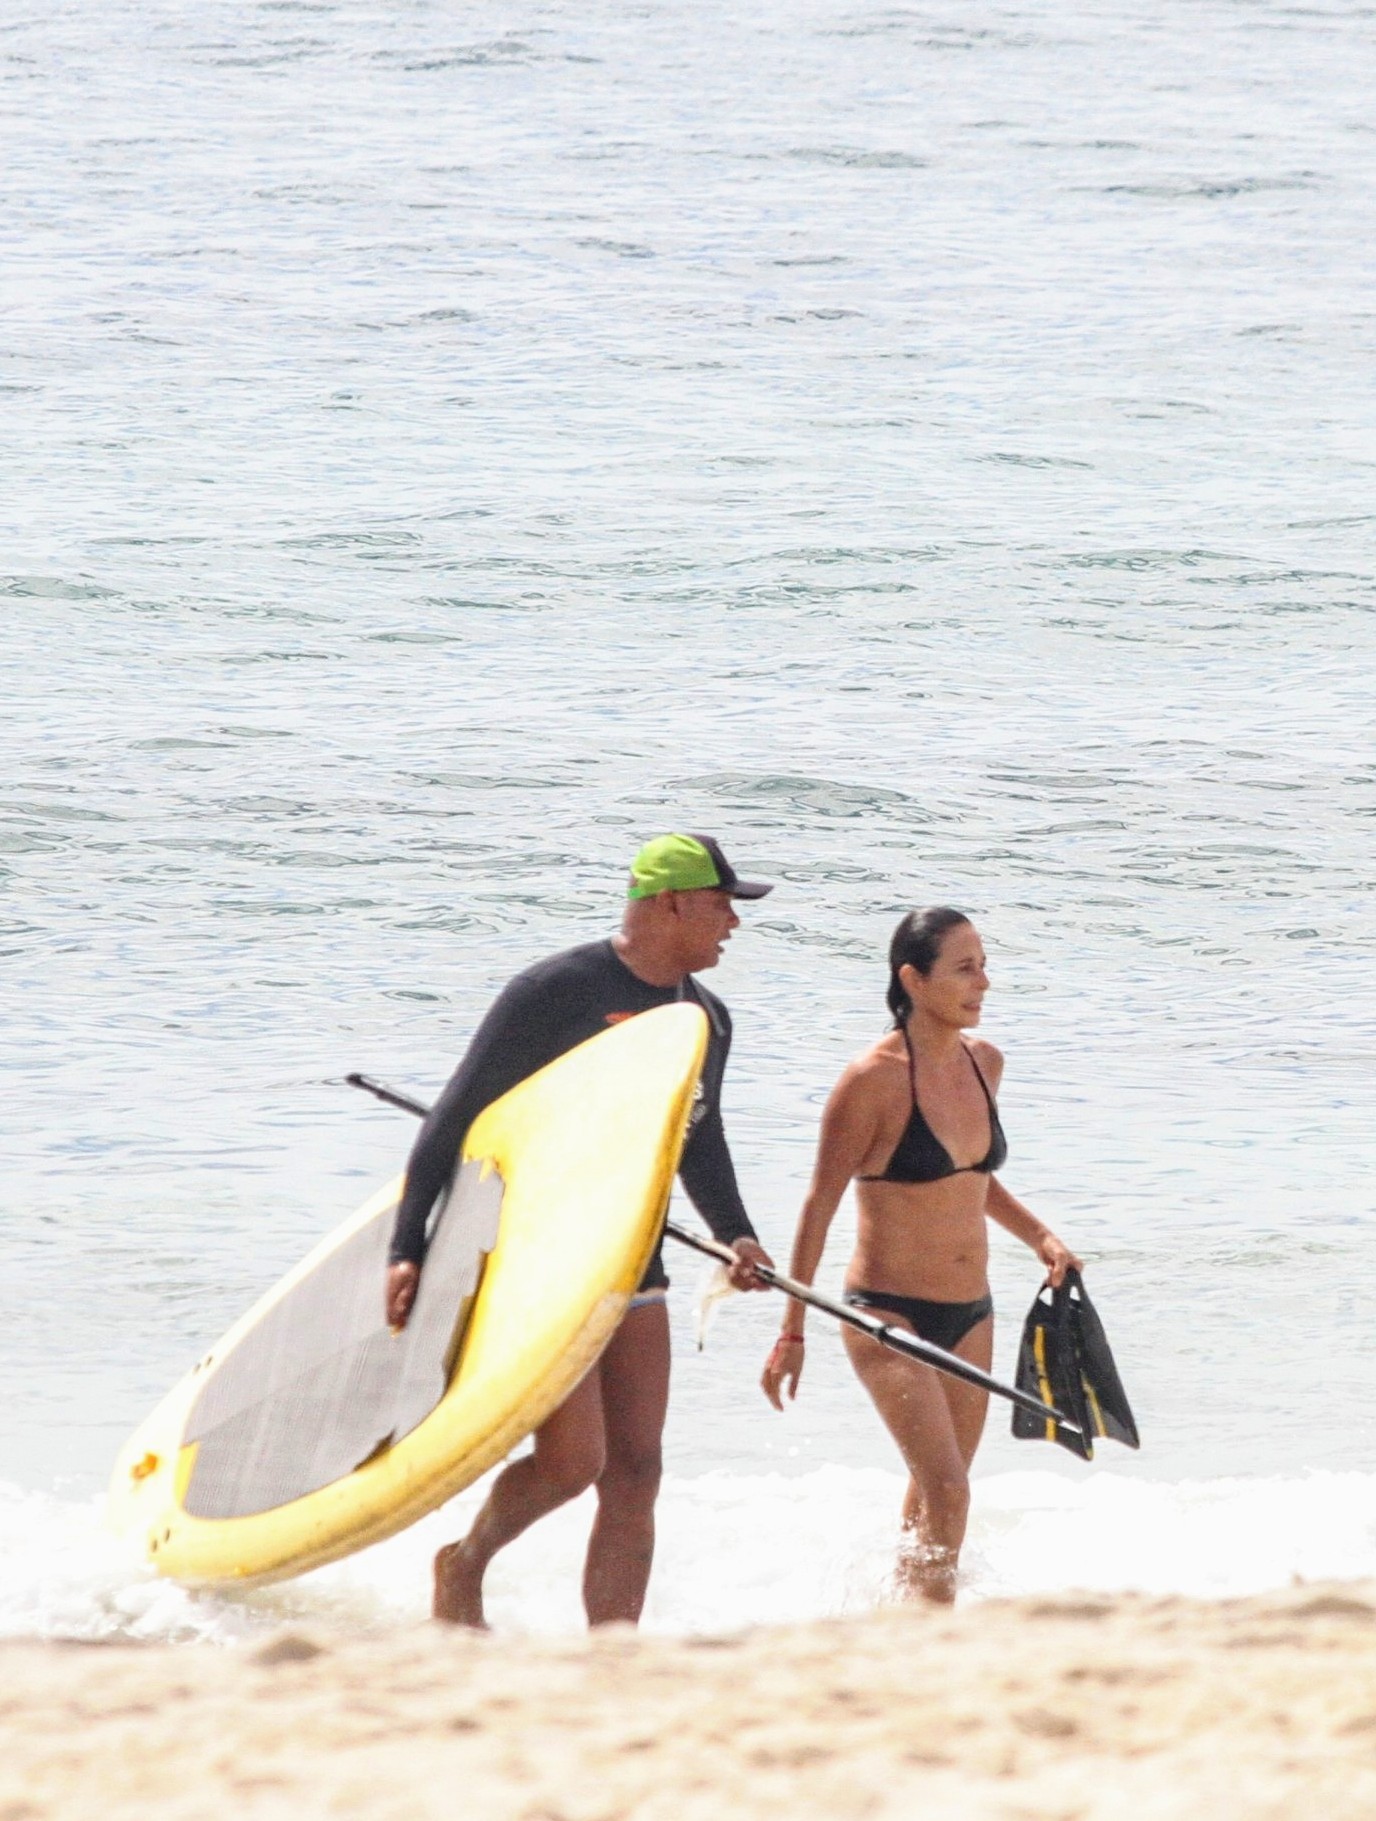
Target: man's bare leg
570	1450
634	1376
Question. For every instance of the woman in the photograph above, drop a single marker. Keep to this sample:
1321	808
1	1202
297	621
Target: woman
914	1123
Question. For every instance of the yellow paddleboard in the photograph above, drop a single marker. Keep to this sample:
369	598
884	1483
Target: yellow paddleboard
311	1430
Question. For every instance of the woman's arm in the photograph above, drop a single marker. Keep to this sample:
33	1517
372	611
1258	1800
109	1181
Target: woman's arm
1023	1224
848	1128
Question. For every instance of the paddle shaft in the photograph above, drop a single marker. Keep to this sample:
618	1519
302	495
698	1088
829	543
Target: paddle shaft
898	1340
389	1095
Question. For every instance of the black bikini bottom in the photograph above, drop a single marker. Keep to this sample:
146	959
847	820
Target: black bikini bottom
943	1324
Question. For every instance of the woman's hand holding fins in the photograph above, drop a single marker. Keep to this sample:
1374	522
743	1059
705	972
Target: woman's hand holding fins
1058	1259
1019	1220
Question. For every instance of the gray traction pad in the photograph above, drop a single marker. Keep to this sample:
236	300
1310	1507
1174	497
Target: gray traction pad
321	1384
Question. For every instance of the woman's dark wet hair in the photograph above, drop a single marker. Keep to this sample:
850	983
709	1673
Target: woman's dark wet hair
917	943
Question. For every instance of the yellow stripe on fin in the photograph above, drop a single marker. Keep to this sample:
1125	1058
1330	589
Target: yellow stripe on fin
1043	1382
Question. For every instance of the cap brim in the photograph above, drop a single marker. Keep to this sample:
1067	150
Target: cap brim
751	888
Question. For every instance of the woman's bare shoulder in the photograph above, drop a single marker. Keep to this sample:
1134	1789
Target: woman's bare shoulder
874	1069
989	1059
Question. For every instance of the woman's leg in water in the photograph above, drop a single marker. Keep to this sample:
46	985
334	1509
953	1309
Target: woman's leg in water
634	1373
569	1455
937	1436
968	1406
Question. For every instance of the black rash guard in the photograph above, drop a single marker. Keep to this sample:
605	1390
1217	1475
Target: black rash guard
544	1011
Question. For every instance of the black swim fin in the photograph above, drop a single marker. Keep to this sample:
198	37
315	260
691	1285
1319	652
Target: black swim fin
1064	1360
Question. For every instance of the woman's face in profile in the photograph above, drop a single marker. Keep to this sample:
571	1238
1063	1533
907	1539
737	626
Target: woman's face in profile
953	993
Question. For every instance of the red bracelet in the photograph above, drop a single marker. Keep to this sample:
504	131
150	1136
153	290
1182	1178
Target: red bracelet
785	1339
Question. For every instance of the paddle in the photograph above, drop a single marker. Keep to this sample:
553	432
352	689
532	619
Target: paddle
898	1340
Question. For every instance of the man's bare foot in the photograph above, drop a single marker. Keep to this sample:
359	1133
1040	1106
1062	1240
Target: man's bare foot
458	1589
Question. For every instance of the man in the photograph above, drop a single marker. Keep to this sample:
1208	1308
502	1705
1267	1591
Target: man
679	914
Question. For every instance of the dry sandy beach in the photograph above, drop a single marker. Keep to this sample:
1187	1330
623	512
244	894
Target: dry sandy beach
1067	1707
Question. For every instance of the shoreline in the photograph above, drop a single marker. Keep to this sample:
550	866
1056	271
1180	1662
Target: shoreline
1074	1707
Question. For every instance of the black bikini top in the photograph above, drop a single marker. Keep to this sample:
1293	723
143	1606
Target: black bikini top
920	1156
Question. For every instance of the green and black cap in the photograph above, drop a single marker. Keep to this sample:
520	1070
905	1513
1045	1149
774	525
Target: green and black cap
688	863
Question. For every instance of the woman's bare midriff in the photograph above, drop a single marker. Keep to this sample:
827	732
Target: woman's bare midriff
922	1239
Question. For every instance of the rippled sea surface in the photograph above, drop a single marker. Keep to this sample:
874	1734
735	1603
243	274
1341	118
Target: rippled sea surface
929	446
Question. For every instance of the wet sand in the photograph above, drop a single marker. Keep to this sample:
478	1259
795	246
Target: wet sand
1067	1707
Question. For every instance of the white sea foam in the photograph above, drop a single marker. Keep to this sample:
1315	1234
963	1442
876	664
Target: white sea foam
734	1550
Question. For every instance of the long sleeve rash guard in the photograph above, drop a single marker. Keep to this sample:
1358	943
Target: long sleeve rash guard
541	1013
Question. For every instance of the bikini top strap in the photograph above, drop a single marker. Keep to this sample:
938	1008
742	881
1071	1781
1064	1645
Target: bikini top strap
979	1073
912	1063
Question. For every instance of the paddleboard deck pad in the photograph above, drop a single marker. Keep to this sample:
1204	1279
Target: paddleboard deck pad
321	1384
312	1430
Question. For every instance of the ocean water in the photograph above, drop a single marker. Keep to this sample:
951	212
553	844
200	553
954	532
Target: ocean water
930	447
